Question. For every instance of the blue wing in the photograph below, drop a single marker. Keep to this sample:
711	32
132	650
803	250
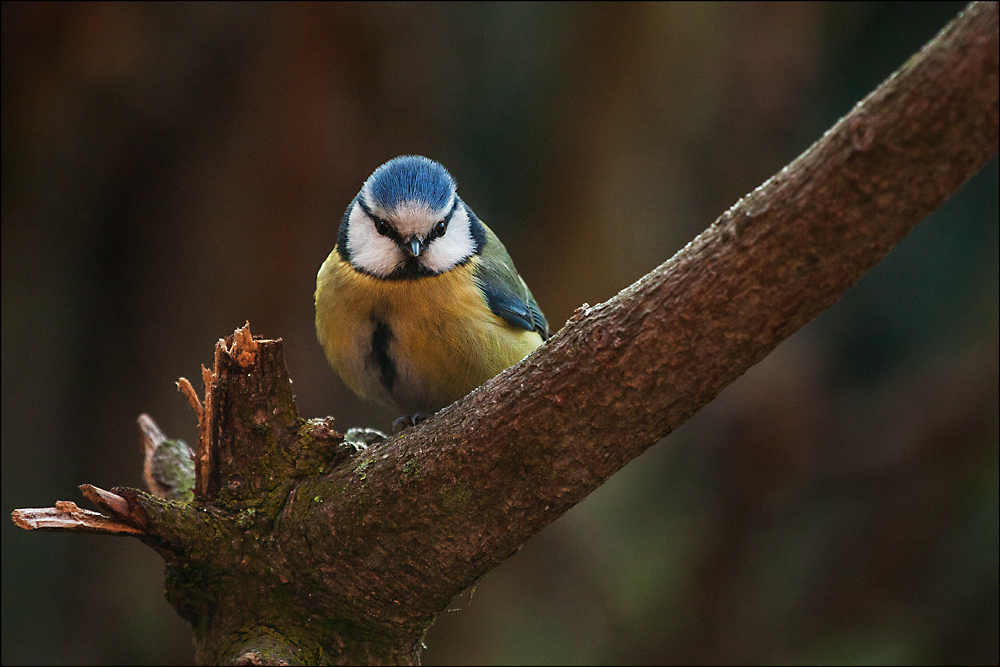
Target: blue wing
506	292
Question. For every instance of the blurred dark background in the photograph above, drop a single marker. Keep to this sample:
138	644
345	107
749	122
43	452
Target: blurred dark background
172	170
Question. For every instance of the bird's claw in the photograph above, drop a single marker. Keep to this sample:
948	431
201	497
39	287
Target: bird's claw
408	420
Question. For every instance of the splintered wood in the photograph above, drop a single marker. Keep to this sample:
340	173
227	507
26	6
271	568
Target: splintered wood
66	516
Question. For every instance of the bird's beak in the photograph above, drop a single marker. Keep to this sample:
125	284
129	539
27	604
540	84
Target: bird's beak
413	247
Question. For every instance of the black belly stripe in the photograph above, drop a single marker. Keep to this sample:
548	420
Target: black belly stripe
380	351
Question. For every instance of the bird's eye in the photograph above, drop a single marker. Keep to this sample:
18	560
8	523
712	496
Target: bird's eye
440	228
383	227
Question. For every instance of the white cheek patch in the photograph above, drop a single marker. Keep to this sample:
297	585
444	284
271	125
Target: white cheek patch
446	252
370	251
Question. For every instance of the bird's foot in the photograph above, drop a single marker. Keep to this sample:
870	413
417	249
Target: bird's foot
408	420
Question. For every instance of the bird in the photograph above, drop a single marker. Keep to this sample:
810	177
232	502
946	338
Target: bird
419	302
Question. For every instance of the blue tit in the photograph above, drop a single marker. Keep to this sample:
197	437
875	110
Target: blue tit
419	302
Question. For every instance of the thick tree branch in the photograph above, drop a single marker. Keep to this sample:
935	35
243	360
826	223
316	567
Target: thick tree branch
299	543
458	495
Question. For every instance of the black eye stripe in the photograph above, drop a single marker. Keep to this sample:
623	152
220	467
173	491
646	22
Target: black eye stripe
382	226
441	226
385	228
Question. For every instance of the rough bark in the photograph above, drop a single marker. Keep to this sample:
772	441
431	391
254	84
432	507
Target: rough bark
301	549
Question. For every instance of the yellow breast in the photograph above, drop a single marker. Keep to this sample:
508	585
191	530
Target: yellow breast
417	345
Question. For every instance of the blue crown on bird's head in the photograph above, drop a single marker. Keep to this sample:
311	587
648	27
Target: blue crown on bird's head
410	178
